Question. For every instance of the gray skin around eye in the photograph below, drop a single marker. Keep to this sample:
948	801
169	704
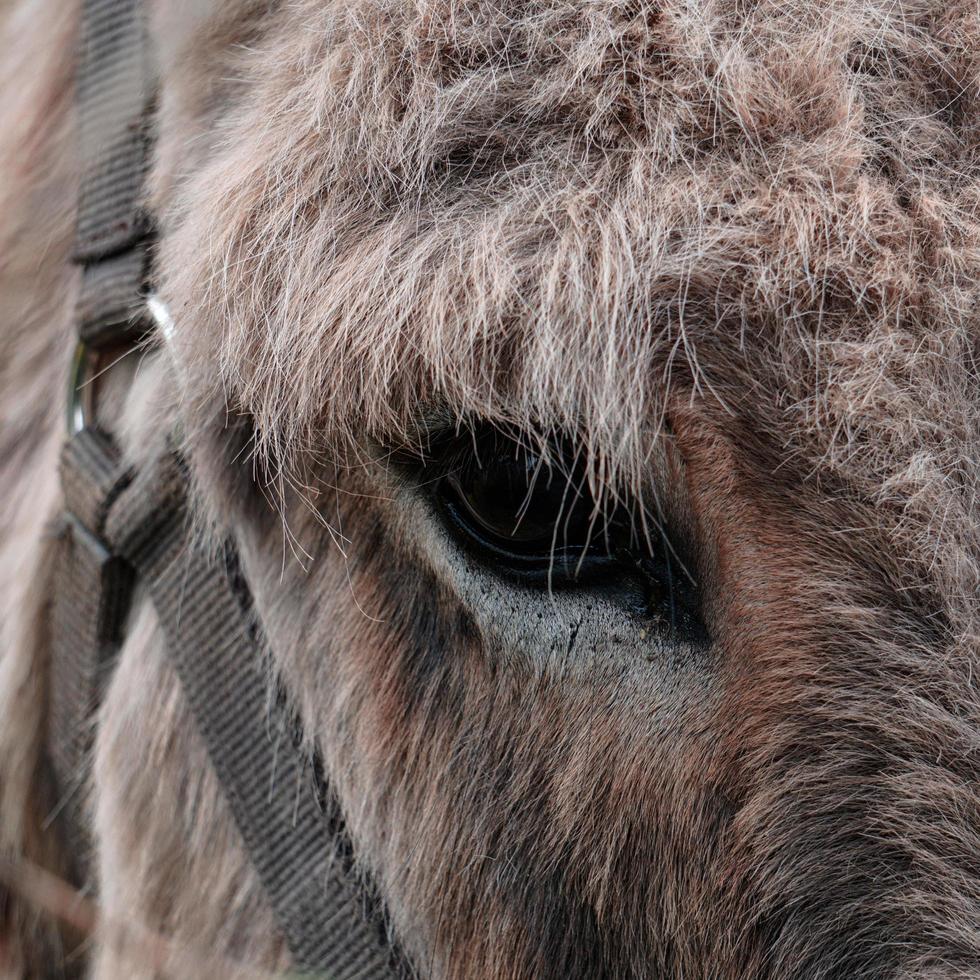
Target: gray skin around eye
592	632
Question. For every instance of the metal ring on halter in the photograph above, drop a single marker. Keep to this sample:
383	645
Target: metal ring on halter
81	388
85	367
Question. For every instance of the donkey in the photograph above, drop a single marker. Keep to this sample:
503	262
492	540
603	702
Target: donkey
590	390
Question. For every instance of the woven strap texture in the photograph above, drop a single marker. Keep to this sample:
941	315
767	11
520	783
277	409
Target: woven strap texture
268	780
120	527
92	586
114	96
92	594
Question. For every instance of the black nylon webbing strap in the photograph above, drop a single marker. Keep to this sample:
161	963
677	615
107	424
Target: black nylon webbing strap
267	779
119	526
114	95
112	98
93	588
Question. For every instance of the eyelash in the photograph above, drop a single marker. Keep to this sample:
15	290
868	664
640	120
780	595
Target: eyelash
540	541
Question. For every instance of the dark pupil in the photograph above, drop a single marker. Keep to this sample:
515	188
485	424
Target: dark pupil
517	497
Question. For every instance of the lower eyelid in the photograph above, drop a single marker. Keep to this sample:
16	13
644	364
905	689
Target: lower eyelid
613	563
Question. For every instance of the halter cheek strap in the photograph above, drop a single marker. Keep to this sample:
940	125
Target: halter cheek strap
121	527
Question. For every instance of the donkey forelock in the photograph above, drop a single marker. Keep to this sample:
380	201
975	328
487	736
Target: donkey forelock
731	251
550	211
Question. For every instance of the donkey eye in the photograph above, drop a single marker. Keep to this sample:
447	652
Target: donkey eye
523	512
519	502
529	515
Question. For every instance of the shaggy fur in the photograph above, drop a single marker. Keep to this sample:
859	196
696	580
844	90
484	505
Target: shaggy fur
734	249
37	191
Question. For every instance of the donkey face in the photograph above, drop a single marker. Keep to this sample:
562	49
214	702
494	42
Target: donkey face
591	390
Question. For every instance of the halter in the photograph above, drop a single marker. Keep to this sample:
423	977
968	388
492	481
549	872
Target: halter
123	527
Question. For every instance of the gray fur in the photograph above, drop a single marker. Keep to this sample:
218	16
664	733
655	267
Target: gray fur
734	248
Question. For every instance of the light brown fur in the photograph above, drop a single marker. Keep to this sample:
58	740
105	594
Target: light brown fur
734	249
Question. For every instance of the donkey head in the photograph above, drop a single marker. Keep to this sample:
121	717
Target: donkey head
590	389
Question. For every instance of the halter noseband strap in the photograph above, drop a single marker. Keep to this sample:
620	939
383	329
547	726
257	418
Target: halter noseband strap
122	527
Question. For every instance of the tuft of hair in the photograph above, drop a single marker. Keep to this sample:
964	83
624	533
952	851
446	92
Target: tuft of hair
549	213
